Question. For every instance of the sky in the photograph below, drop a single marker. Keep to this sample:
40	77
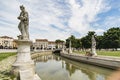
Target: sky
58	19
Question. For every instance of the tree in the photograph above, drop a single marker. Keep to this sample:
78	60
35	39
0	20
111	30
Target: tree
58	42
99	42
111	38
76	43
86	41
72	39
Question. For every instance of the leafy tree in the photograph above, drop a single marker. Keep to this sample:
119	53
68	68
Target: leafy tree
86	41
75	43
78	43
111	38
72	39
99	42
58	41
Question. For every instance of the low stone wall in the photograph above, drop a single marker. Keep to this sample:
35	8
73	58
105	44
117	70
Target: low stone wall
108	62
7	50
37	54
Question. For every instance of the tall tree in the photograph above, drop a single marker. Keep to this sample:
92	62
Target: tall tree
58	42
111	38
76	43
72	39
86	41
99	42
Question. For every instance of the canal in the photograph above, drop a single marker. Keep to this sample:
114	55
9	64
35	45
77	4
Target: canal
52	67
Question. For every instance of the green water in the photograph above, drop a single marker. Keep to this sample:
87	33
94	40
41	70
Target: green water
52	67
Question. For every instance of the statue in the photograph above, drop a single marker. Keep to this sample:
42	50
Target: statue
24	22
93	42
93	45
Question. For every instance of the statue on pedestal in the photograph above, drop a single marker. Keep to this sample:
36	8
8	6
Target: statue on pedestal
93	45
23	25
23	67
70	50
93	42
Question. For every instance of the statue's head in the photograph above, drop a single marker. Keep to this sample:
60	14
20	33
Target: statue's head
22	8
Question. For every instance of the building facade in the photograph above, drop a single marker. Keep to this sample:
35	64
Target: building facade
44	44
6	42
51	45
40	44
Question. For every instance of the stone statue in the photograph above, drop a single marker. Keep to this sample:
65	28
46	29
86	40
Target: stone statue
24	22
93	45
70	50
23	68
93	42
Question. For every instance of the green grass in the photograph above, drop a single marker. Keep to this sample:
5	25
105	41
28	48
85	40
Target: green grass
103	53
6	55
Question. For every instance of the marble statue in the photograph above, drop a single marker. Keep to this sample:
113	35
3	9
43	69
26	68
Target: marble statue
93	45
24	22
23	67
93	42
70	50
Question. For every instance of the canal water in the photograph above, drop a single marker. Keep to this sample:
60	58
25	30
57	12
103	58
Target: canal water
52	67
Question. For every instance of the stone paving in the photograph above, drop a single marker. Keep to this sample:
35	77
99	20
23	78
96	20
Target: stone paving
5	67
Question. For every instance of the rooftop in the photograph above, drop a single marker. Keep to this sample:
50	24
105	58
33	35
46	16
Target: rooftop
44	40
6	37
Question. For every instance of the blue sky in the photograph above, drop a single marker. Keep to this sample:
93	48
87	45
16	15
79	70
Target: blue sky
58	19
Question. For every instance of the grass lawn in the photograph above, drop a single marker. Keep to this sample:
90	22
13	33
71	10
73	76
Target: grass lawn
5	55
104	53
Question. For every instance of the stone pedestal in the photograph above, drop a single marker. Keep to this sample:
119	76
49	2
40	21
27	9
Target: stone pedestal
93	47
94	52
24	65
70	50
63	47
63	50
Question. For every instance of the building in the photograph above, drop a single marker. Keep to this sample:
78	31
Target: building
44	44
14	44
51	45
59	45
40	44
6	42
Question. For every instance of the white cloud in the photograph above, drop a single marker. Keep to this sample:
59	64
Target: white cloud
99	31
42	14
67	18
86	13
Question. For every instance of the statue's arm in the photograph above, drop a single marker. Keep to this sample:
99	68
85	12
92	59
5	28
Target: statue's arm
26	16
20	17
